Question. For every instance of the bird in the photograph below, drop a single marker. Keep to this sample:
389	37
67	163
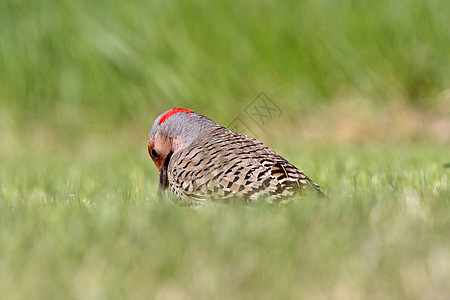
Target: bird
202	161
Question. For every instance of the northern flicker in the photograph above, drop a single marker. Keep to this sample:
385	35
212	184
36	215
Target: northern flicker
201	160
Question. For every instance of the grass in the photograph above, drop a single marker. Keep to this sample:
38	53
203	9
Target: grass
364	94
109	61
77	228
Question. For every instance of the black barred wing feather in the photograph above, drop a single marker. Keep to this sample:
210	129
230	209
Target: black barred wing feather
227	165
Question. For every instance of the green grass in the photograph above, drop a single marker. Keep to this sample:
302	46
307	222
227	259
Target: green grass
72	227
364	93
113	61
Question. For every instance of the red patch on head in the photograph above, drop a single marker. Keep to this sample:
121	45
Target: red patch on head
172	112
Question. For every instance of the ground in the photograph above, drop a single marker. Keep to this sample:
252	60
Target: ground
72	227
360	102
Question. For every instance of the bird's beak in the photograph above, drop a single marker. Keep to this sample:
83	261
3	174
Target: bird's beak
163	180
163	177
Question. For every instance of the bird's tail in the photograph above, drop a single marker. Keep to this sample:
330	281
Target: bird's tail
315	187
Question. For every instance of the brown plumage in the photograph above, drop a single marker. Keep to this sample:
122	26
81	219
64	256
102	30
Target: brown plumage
201	160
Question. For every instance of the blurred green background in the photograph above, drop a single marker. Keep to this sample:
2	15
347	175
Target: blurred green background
87	65
363	87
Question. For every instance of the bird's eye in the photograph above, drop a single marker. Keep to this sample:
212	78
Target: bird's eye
154	153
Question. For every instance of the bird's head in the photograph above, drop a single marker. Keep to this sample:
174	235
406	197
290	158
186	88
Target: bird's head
172	131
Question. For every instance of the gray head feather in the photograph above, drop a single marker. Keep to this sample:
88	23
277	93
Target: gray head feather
186	126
